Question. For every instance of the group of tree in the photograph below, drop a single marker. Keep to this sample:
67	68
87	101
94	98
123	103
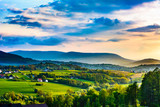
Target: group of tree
115	97
43	66
101	77
74	83
150	89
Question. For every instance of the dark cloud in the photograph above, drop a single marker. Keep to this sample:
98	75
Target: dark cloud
48	41
99	24
16	11
116	40
43	41
110	40
99	6
106	21
150	28
23	21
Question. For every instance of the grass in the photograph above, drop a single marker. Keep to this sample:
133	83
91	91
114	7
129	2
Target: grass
33	71
18	87
137	75
56	88
63	72
85	81
56	72
27	88
126	85
21	76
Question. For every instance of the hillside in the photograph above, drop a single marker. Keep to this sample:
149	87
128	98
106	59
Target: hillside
146	62
91	58
7	58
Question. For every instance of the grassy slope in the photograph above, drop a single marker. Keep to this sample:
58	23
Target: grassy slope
28	87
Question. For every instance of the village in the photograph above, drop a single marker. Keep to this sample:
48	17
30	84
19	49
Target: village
10	75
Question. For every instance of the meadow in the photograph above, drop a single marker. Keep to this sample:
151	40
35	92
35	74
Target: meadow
27	88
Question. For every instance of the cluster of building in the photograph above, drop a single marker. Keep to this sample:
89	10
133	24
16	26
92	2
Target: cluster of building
2	74
41	80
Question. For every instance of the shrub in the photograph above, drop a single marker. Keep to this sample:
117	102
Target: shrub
39	84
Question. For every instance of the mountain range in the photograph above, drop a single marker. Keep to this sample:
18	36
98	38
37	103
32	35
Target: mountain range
90	58
10	59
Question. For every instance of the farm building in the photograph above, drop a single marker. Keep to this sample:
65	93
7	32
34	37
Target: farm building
11	77
16	71
7	72
39	80
45	80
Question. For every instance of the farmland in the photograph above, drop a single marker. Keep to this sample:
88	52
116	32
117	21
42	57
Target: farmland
25	80
33	84
27	88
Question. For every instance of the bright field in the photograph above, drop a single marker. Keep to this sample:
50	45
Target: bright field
56	72
27	88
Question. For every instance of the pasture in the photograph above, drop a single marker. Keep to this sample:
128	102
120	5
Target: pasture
27	88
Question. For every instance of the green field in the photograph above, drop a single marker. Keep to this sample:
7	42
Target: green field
57	72
85	81
27	88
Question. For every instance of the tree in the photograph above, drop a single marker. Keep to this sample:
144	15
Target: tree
103	97
44	77
88	103
150	89
131	94
68	102
49	101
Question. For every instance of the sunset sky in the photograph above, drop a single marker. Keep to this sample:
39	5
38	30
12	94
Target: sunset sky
130	28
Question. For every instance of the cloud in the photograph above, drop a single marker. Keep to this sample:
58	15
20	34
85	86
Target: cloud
106	21
102	40
98	25
95	40
46	41
116	40
16	10
23	21
41	41
150	28
141	35
17	30
99	6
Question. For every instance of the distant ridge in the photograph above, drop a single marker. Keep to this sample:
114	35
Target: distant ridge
91	58
7	58
148	61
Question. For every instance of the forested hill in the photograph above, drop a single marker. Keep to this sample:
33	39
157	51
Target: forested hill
139	68
7	58
91	58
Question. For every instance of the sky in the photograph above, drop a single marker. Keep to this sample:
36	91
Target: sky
130	28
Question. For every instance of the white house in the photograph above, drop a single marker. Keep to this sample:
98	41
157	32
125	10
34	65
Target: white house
46	70
10	77
7	72
16	71
45	80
